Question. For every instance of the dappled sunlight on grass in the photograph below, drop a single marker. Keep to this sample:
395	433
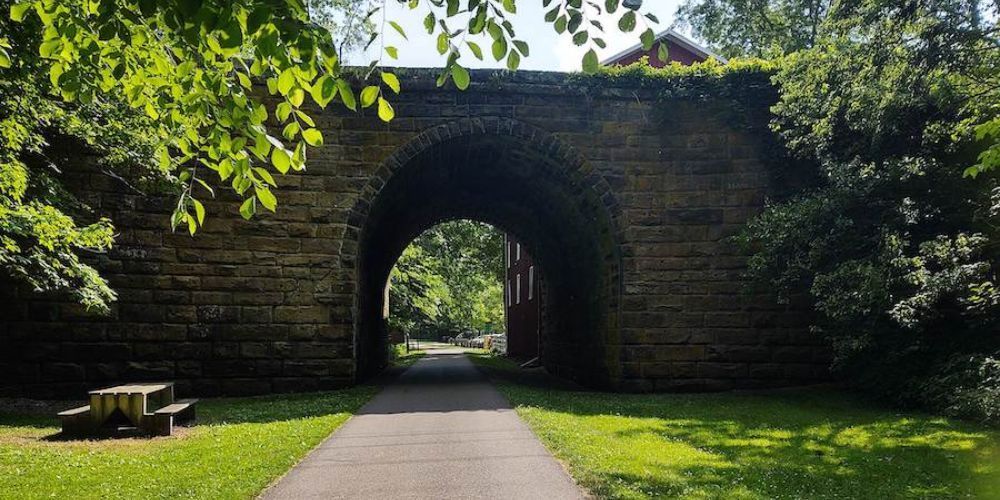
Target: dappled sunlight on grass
238	447
822	444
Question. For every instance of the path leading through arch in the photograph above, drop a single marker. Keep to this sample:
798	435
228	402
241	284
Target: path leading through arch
440	430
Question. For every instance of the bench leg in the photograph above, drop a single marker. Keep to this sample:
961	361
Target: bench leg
185	416
77	425
158	425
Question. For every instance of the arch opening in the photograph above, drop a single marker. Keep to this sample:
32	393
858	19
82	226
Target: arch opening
449	281
541	195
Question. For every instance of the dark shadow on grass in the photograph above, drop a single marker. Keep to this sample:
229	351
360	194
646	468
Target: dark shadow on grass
504	369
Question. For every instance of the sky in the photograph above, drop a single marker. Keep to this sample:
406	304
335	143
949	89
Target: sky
549	50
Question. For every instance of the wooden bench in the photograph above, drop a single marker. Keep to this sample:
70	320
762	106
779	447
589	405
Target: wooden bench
76	421
178	412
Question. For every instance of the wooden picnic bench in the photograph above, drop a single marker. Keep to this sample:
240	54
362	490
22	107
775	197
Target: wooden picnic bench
149	407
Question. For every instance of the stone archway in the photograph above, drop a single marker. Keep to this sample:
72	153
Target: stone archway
524	181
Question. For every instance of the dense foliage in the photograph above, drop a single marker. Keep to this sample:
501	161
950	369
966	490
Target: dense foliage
40	236
764	28
449	279
168	86
896	102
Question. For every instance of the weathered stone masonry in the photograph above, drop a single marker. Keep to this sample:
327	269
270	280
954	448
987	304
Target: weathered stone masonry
628	218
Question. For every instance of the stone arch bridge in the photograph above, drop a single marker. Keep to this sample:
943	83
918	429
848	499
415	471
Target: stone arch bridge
627	217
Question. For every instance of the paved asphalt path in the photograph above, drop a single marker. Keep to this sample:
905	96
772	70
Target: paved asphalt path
441	430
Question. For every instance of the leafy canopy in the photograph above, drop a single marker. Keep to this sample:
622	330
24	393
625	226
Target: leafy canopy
761	28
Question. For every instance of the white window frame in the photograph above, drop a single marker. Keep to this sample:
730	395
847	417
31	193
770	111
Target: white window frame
531	283
518	252
518	288
510	296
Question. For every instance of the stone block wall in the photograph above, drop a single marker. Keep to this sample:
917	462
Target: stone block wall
270	305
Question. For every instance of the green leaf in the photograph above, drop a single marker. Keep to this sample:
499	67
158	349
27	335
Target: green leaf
48	47
442	43
385	111
266	198
281	160
560	24
249	207
662	53
590	62
206	186
461	77
297	96
627	22
429	23
522	47
398	28
18	11
647	37
286	80
324	90
391	80
368	95
347	94
499	49
313	137
290	130
199	211
225	168
510	6
476	51
264	174
513	60
282	111
244	80
4	59
392	51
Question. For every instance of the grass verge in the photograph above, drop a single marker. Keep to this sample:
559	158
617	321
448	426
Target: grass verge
802	444
239	446
398	357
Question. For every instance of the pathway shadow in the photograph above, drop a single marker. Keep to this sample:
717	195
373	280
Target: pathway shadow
438	383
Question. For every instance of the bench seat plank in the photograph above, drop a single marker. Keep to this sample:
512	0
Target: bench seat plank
175	408
73	412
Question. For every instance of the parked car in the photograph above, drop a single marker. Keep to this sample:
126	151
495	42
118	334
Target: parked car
464	339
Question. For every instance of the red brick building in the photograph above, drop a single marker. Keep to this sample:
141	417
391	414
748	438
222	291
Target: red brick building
680	49
521	300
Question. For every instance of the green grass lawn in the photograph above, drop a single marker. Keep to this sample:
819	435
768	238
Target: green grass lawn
805	444
238	447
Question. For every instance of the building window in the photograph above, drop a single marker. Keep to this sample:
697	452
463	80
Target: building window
518	252
510	253
518	288
510	297
531	282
